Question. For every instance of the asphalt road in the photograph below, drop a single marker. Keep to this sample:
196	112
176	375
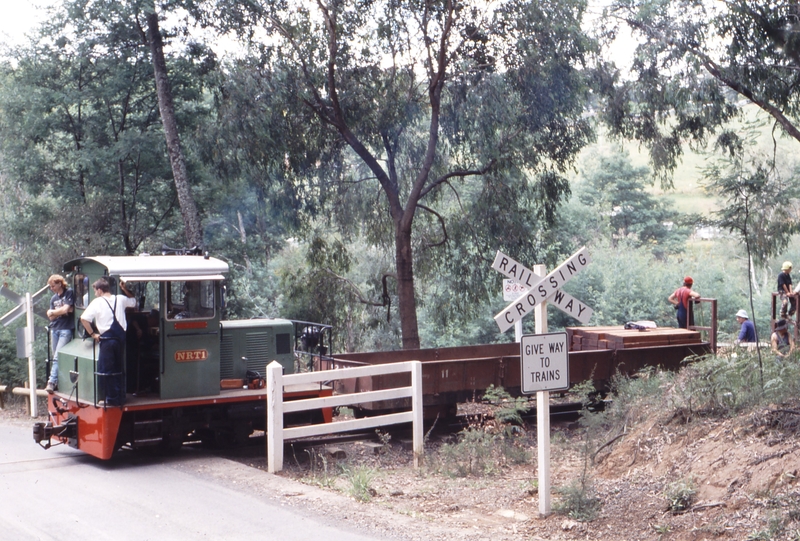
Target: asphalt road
63	494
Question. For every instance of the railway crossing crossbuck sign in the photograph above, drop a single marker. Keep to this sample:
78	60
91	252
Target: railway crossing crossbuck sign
541	289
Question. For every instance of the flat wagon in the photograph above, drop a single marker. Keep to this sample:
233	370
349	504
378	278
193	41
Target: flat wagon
459	374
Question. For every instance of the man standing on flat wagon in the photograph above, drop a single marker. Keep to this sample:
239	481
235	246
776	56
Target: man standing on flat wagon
62	322
785	290
680	298
108	313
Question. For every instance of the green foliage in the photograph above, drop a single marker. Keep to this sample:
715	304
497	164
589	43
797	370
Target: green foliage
13	371
315	283
749	187
509	409
775	527
320	471
617	193
578	500
485	445
680	495
444	145
470	455
359	479
82	135
692	62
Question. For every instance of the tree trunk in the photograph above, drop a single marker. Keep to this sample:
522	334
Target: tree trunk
407	303
123	214
191	218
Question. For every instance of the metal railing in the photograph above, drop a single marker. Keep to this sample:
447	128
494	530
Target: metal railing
793	319
711	329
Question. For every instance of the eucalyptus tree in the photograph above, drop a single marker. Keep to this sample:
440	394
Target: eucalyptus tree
80	124
153	38
617	191
693	61
399	107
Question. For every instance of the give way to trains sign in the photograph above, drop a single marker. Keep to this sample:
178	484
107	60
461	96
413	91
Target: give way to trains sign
545	362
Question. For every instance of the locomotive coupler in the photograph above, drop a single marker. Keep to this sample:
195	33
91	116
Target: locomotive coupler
43	432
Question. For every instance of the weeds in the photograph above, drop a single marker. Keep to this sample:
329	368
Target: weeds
359	479
578	500
508	409
384	438
319	473
490	441
661	529
680	495
470	455
772	531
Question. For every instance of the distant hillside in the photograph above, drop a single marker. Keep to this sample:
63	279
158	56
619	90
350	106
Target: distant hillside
688	194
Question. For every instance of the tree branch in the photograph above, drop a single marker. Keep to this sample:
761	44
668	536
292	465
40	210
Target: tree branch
441	221
453	174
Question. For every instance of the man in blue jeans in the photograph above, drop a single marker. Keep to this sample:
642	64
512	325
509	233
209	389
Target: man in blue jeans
62	322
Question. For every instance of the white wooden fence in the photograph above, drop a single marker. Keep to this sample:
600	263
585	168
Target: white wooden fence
276	407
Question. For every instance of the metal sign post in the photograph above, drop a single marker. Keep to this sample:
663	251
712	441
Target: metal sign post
542	415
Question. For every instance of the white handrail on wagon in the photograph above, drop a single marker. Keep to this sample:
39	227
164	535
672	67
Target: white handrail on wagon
276	407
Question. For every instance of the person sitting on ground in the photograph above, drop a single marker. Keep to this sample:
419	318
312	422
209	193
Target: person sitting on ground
747	333
782	343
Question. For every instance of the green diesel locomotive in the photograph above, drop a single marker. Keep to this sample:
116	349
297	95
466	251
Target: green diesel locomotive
188	374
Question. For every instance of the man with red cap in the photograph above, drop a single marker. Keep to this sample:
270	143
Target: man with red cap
680	298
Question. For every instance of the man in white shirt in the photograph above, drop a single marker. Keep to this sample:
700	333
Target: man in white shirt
108	313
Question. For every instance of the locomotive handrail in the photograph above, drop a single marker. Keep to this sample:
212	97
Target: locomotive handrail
277	434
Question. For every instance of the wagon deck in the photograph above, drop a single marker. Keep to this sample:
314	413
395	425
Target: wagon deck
460	374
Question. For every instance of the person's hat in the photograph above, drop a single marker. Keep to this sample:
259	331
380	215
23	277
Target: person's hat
780	325
741	313
786	265
688	280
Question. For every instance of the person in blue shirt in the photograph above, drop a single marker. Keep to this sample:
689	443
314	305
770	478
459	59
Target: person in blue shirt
747	333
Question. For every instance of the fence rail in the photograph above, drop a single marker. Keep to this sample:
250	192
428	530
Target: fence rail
276	407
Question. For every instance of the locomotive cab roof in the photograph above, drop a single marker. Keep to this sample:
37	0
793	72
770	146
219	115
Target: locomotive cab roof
146	268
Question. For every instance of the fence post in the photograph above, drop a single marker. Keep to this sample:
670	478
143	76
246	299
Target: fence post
274	417
416	410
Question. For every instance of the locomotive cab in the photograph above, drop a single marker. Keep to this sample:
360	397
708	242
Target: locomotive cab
173	335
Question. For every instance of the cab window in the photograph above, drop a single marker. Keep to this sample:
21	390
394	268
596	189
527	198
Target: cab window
80	284
190	299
